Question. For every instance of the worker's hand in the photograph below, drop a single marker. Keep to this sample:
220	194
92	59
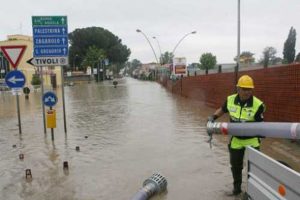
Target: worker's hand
212	118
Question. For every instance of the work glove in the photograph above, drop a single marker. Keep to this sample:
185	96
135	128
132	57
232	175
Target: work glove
212	118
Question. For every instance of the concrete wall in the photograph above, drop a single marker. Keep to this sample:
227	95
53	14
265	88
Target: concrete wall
278	87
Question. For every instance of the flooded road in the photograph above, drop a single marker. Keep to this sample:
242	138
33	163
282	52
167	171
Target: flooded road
125	134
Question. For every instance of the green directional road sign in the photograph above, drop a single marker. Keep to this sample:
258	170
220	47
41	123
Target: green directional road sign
49	20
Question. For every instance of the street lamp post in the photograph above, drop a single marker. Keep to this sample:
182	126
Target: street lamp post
181	40
139	31
158	47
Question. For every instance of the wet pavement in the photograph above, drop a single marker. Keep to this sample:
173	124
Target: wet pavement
125	134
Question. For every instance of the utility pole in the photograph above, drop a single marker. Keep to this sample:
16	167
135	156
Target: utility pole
238	42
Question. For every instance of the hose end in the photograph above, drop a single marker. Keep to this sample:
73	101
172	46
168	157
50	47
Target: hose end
160	183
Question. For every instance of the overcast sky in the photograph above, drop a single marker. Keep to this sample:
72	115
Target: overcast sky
263	23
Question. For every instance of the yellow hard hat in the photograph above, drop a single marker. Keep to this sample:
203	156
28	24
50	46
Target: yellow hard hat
245	81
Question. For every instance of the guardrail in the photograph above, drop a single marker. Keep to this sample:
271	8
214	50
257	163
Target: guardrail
270	179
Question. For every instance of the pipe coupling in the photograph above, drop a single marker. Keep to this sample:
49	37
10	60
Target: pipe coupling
213	128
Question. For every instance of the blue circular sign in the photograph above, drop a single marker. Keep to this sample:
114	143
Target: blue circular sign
49	99
15	79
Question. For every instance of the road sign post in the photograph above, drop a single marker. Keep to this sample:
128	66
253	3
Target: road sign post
50	99
50	40
16	81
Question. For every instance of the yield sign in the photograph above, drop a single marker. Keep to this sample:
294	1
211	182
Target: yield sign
13	54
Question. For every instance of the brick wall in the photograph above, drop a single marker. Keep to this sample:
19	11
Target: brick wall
277	87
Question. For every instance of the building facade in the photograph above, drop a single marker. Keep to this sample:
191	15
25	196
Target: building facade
51	75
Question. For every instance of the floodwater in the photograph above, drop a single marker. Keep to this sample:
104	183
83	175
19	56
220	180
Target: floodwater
125	134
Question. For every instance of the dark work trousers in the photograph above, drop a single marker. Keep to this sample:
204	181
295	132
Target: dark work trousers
236	161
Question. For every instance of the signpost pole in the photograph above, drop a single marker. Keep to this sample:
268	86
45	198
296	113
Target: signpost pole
52	130
16	80
63	97
43	106
19	115
50	99
51	48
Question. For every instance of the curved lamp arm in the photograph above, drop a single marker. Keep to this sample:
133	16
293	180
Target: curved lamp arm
158	47
181	40
139	31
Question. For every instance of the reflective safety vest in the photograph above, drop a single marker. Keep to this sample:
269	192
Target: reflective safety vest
243	114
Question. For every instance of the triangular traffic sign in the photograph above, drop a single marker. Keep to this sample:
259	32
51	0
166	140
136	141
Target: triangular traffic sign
13	53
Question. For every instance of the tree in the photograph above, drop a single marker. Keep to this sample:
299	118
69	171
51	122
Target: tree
82	39
93	56
269	56
195	65
297	58
35	79
207	61
166	58
135	63
289	47
246	57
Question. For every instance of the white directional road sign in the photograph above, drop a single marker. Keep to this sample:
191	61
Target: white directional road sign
47	61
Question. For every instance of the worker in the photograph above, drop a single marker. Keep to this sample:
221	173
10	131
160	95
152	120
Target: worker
241	107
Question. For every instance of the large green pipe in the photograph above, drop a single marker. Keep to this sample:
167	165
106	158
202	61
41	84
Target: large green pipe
259	129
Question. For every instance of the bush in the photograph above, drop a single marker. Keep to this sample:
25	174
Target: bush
35	79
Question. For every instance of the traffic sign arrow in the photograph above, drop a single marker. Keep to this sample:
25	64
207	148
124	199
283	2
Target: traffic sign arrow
14	80
50	99
30	61
47	61
49	20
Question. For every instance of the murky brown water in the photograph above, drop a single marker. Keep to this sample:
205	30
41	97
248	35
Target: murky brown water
132	131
